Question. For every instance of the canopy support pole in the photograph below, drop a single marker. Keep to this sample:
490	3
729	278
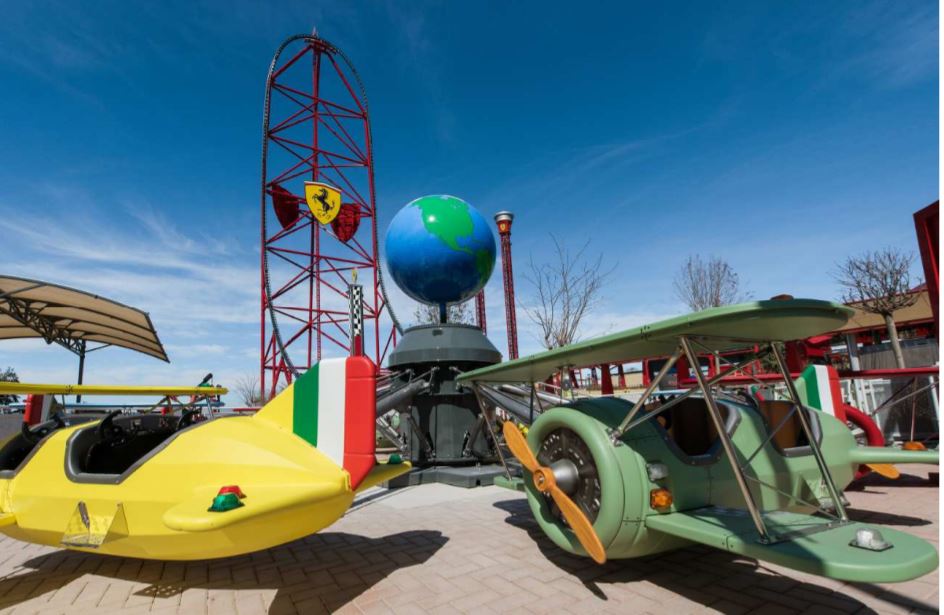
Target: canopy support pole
726	443
81	353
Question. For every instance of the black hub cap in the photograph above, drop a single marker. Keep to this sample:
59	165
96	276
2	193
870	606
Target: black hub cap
564	444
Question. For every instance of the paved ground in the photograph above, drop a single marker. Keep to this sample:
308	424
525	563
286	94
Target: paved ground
445	550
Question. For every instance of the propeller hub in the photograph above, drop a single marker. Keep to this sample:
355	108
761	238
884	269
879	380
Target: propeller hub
567	475
544	479
575	471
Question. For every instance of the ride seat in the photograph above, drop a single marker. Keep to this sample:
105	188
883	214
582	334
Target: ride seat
107	458
90	454
692	428
790	434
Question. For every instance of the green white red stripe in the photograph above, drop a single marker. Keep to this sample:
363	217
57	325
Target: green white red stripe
819	388
333	409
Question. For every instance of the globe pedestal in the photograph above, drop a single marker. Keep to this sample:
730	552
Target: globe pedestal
457	448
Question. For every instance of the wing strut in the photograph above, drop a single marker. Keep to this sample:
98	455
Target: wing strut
726	443
704	384
834	492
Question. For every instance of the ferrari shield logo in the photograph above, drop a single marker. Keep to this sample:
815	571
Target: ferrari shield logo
323	200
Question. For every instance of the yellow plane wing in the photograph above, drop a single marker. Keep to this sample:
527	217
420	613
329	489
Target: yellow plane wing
23	388
383	472
194	516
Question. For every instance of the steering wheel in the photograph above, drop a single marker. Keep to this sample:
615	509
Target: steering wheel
107	430
186	419
42	430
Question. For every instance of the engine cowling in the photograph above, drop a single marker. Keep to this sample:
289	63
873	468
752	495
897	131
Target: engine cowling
610	483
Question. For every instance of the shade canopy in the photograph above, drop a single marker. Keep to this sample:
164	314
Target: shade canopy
724	328
920	312
73	318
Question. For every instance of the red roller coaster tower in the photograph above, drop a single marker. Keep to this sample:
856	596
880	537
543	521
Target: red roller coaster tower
316	127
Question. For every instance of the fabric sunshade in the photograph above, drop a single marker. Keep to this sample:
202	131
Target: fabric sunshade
30	308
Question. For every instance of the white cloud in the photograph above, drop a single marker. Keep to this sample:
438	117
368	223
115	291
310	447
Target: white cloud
201	293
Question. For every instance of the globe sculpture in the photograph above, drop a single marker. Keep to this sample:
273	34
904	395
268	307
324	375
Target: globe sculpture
440	250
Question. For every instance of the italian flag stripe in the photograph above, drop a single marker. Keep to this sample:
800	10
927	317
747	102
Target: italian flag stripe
822	390
305	407
333	409
812	390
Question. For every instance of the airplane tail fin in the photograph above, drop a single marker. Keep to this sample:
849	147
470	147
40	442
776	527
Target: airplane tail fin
818	386
332	406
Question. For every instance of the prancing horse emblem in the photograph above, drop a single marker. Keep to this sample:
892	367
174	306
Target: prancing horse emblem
323	200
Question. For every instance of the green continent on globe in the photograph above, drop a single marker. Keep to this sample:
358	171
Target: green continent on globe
448	219
439	250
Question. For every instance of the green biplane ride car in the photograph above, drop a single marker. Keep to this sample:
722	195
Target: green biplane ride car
762	479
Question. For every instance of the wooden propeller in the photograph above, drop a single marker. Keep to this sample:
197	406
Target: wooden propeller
885	469
545	482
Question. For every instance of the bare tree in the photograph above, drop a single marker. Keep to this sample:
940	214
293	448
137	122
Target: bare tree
461	313
9	375
566	289
249	391
879	282
707	284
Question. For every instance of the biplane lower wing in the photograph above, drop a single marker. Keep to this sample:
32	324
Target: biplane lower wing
805	543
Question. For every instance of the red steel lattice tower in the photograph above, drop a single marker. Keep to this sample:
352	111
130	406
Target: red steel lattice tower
504	219
480	311
316	127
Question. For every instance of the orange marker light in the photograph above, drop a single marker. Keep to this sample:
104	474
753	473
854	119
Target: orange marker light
913	446
660	499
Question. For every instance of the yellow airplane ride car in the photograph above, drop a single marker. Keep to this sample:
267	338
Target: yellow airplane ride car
174	488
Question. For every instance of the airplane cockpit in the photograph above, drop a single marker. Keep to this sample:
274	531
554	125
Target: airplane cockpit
19	447
107	450
688	429
100	452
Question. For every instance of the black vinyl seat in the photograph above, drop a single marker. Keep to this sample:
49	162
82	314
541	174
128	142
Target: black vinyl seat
692	429
20	446
126	441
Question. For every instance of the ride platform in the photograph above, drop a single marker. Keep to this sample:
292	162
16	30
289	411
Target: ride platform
441	548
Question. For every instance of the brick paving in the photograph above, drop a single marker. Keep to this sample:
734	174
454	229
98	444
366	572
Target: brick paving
437	549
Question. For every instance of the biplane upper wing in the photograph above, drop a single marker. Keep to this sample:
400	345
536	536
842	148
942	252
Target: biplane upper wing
806	543
724	328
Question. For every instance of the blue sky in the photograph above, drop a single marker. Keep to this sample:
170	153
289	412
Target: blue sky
779	136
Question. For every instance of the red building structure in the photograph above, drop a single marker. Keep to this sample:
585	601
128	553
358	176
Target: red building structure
927	225
480	311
